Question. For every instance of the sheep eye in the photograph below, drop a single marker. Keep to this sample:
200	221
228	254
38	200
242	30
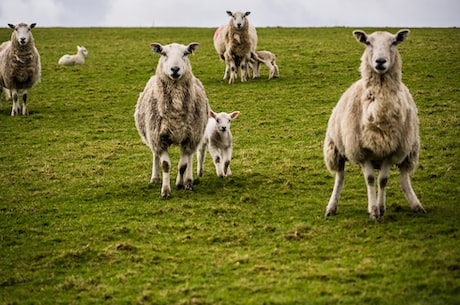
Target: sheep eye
218	120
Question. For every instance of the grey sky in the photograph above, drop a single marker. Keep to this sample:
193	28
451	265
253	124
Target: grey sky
211	13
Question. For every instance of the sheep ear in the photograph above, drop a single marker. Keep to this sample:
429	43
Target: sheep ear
247	14
230	13
33	25
212	114
192	48
234	114
360	36
11	25
401	36
156	47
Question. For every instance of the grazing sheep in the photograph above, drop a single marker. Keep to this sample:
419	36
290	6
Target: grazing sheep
218	138
76	59
234	43
20	67
269	60
172	109
375	124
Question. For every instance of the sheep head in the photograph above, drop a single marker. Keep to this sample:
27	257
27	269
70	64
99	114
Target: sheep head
174	60
22	33
223	119
381	52
238	19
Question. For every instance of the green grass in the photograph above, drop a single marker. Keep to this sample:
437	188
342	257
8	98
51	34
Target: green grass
79	223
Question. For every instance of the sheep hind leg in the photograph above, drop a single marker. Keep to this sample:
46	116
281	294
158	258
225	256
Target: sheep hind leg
15	108
25	111
406	186
155	169
331	208
369	177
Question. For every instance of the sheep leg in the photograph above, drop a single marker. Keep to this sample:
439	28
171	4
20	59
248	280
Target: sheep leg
227	157
409	192
155	169
384	174
25	111
331	208
369	177
201	154
166	167
217	159
244	66
226	72
15	108
277	71
230	64
1	91
184	178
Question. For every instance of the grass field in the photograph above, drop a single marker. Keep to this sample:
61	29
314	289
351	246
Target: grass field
79	223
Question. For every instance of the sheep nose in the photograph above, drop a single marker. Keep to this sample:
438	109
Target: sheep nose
380	63
23	40
238	25
223	128
175	69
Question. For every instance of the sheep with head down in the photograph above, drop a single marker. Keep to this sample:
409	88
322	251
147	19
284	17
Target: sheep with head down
375	124
20	67
172	109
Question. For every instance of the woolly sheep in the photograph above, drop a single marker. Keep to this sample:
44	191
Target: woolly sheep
375	124
172	109
234	43
269	60
76	59
218	138
20	67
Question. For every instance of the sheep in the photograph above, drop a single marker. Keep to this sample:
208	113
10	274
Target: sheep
172	109
20	67
218	138
269	60
234	43
76	59
375	124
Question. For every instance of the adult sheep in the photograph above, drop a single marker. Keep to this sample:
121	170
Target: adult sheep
234	43
172	109
20	67
375	124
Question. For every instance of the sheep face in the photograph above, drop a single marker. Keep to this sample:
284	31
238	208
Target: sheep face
238	19
83	51
381	48
174	62
223	119
22	32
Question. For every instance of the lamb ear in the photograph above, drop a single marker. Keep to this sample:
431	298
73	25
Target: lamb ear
212	114
156	47
401	36
192	48
32	25
11	25
234	114
360	36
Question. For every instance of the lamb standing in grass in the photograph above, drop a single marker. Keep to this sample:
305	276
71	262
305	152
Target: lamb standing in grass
76	59
172	109
218	138
20	67
235	42
269	60
375	124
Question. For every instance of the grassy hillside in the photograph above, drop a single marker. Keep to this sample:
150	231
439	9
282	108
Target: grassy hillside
79	223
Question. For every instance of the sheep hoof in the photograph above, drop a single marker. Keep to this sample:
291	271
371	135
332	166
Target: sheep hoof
154	180
419	209
331	212
179	186
188	185
166	194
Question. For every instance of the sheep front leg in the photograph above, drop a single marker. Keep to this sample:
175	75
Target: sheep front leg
227	157
25	111
15	109
382	183
230	64
201	154
184	178
369	177
155	169
217	160
166	167
331	208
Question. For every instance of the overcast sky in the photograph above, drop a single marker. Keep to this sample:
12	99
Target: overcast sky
211	13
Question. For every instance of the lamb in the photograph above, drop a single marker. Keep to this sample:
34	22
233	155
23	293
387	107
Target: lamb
269	60
234	43
218	138
172	109
20	67
375	124
76	59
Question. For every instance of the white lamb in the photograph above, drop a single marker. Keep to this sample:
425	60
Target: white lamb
375	124
218	139
269	60
234	43
76	59
20	67
172	109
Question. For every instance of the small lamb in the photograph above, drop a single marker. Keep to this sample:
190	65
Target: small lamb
76	59
218	138
269	60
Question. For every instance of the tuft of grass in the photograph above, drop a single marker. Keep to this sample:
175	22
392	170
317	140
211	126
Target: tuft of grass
80	224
